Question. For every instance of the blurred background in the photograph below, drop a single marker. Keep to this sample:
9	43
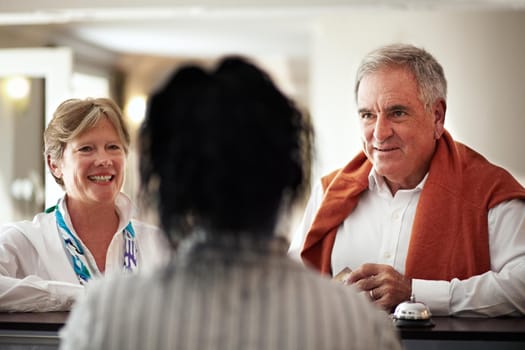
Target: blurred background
51	50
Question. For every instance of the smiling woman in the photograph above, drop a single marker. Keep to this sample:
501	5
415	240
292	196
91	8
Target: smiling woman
45	263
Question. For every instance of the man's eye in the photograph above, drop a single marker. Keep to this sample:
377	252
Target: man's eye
366	115
399	113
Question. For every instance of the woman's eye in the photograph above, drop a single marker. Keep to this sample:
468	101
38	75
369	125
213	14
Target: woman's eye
114	147
85	149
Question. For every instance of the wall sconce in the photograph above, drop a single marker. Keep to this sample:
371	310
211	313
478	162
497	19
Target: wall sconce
29	194
16	90
136	109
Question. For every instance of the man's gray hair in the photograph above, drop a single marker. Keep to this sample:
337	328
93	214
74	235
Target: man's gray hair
427	71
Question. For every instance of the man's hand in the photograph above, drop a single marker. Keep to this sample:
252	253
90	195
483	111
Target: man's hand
385	286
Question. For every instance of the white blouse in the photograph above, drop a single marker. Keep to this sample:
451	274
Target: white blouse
36	273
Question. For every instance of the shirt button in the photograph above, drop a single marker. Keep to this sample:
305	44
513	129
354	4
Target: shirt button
387	255
395	215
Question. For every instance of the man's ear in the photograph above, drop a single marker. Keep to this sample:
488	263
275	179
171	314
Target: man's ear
54	167
439	109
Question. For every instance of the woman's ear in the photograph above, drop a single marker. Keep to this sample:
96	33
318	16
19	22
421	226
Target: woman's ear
54	166
440	108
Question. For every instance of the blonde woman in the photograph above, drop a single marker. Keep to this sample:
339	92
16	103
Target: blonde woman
44	263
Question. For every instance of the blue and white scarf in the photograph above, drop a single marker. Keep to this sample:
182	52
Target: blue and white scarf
75	250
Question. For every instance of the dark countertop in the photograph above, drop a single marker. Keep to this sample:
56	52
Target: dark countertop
458	328
445	328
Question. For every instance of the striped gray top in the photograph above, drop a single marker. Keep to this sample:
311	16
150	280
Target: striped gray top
227	295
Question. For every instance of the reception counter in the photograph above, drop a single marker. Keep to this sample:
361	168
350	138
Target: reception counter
29	330
40	331
467	333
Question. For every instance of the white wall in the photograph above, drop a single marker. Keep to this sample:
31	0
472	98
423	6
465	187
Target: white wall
6	159
55	66
483	55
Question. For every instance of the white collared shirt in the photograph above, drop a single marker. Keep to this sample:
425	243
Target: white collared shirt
35	272
379	229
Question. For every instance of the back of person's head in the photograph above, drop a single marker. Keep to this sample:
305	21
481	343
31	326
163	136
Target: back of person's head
426	69
222	149
75	116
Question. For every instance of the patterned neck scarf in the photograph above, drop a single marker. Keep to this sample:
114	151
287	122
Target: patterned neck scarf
83	269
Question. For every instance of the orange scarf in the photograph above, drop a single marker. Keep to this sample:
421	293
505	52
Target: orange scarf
450	232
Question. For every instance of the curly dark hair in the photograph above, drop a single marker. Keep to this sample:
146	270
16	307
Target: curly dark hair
223	149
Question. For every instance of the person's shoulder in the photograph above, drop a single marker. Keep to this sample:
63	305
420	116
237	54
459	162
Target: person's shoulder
106	302
327	179
148	232
475	163
356	169
118	285
348	311
365	319
326	284
29	228
479	172
144	227
154	245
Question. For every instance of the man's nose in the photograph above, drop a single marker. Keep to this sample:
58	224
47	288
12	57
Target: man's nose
382	128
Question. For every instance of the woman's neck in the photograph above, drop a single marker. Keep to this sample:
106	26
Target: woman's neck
92	215
95	225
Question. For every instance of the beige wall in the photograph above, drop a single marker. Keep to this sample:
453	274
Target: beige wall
483	55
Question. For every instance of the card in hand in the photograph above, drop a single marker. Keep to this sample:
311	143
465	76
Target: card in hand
343	275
